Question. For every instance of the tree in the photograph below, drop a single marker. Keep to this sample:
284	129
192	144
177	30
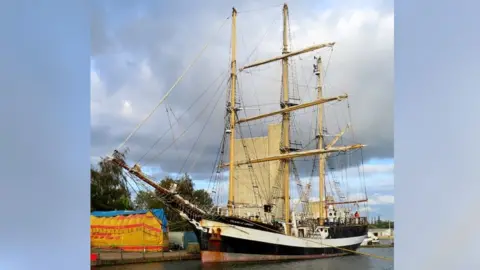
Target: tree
109	192
203	199
383	224
148	200
108	189
185	188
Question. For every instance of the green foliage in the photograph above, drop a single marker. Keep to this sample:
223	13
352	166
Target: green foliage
185	188
203	199
147	200
108	190
381	225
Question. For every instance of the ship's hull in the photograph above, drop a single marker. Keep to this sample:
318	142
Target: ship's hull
237	243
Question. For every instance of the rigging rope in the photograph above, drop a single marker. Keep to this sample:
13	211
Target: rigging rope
201	132
360	253
168	108
180	117
185	131
173	86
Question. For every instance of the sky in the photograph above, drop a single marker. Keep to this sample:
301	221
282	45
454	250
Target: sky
436	95
140	49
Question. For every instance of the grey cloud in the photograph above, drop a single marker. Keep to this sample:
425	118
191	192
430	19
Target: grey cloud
168	45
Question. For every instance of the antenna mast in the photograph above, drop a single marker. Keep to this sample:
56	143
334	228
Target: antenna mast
321	158
286	122
232	110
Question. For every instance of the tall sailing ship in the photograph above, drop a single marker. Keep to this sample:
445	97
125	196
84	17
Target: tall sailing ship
269	229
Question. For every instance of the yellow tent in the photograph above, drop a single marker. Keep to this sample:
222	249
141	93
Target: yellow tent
129	230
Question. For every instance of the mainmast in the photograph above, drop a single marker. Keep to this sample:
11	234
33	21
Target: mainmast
233	113
321	159
285	148
286	107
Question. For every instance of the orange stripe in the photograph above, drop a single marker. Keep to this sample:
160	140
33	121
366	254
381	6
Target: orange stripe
116	227
153	228
125	227
136	248
106	237
144	247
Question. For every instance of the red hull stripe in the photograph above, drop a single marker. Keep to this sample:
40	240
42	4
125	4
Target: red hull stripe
215	257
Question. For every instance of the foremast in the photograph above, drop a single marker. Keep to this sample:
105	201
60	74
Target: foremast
285	149
233	113
321	159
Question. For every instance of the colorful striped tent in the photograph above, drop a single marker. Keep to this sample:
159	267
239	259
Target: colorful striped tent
129	230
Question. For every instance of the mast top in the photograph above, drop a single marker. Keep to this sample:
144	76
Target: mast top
234	11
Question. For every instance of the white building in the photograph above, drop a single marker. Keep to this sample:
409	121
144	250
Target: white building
381	232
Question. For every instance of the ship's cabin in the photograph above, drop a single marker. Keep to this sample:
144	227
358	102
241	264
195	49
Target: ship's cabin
308	226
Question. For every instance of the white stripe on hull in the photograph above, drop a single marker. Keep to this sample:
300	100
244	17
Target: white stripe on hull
279	239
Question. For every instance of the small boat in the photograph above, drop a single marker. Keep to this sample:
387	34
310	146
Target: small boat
370	240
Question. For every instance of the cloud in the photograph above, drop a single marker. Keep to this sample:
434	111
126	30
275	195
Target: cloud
377	168
382	199
374	199
139	51
364	209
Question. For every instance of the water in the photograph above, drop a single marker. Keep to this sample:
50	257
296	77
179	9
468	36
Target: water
356	262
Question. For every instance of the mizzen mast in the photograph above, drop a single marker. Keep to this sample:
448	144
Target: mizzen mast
233	113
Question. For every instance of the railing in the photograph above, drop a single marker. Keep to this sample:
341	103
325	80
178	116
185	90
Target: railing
338	221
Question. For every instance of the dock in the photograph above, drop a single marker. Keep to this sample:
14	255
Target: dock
104	258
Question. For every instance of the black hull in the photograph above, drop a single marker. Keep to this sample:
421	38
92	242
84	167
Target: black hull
227	248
